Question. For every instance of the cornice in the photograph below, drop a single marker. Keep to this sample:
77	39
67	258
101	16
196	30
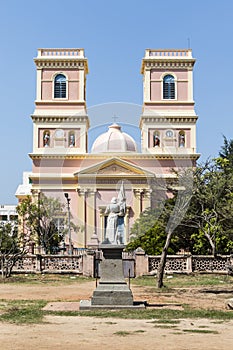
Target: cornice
168	120
62	62
59	102
170	102
150	63
148	156
36	176
107	176
60	119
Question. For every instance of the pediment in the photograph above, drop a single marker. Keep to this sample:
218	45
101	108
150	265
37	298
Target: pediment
114	167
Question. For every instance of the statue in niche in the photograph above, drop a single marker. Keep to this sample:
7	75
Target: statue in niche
72	140
181	140
46	139
156	141
115	221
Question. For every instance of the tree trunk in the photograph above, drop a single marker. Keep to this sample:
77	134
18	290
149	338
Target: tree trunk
2	266
162	262
211	242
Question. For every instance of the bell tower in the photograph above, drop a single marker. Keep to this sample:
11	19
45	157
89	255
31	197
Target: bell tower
168	121
60	121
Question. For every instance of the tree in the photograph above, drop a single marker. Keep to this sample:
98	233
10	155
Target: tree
155	227
147	220
39	219
174	215
210	210
153	240
13	247
226	151
49	210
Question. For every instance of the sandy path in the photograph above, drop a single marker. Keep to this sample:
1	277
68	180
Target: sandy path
65	333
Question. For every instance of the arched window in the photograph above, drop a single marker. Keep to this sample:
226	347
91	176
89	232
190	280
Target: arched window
169	87
156	139
181	138
46	138
60	86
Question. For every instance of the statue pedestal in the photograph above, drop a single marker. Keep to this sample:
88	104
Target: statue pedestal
112	291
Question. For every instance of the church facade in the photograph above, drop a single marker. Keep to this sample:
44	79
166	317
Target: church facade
61	163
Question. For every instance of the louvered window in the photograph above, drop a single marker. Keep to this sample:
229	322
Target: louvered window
60	86
168	87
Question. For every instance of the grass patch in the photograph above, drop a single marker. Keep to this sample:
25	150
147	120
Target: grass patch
165	314
140	331
164	326
50	279
205	331
110	322
22	311
122	333
182	281
125	333
165	321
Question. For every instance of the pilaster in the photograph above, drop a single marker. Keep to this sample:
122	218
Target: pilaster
147	83
82	215
91	212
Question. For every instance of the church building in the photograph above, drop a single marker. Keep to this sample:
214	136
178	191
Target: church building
61	163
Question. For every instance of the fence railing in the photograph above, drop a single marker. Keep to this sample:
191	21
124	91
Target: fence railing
48	264
136	264
192	263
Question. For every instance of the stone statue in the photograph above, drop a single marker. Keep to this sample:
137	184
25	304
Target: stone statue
72	140
115	222
46	139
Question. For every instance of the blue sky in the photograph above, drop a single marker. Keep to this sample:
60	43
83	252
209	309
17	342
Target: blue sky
114	35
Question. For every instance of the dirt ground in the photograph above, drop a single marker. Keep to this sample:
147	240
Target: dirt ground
65	333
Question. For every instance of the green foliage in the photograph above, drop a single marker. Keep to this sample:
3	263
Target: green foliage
146	221
226	153
39	218
153	240
12	247
9	242
210	210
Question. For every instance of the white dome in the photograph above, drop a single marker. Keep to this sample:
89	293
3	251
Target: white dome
114	140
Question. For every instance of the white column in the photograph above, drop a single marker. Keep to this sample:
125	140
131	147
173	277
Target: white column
38	84
193	138
190	85
147	85
81	85
102	220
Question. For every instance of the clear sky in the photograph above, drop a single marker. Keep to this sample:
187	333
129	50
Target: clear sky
114	35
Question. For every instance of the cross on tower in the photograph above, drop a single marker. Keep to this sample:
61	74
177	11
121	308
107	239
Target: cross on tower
115	118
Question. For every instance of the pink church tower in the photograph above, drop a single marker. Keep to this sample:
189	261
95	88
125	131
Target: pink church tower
60	120
168	121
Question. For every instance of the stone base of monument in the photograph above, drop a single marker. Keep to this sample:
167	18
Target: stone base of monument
112	291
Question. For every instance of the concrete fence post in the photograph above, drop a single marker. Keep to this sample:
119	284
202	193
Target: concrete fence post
189	264
141	262
88	263
38	263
